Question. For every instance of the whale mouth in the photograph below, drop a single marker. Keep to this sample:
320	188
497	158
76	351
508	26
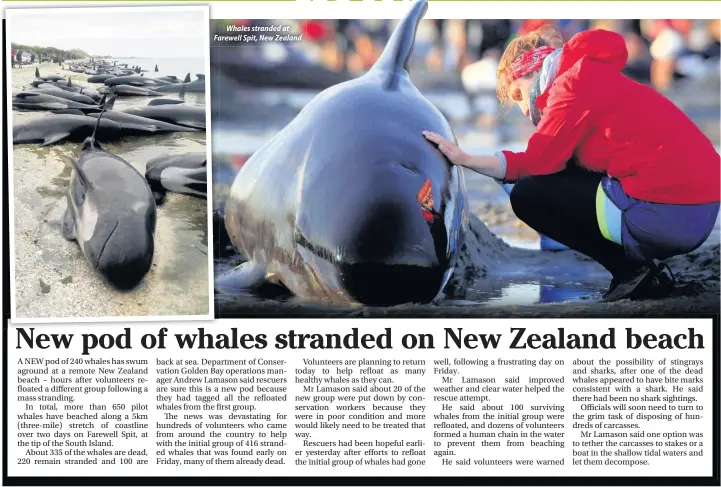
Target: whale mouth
125	257
412	276
374	284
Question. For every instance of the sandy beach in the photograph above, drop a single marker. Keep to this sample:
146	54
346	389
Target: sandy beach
52	278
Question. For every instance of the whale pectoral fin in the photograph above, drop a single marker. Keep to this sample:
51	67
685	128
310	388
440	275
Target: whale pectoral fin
193	125
53	139
137	126
53	106
241	280
69	225
249	279
159	197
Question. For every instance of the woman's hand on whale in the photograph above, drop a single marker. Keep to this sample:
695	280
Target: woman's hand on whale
487	165
448	148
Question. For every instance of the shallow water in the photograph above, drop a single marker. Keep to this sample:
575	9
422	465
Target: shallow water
52	277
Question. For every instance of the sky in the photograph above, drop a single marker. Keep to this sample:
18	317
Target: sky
150	34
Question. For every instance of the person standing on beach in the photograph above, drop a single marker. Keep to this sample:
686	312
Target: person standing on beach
12	58
614	170
32	58
19	57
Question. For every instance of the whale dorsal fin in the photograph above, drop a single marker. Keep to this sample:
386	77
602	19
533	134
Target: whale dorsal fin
394	60
91	143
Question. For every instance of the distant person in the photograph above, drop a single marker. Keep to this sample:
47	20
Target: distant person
32	58
614	170
19	57
571	27
495	35
12	58
342	40
665	50
531	25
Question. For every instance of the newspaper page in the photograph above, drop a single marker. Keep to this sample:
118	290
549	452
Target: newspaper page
443	243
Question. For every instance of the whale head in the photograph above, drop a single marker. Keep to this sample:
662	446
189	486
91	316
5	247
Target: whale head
380	208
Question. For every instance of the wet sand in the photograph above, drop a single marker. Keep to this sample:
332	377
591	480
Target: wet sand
494	279
52	277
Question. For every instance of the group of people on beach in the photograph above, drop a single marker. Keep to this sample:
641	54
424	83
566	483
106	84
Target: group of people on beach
654	47
16	58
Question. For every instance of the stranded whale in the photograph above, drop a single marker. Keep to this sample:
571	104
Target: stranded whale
349	203
185	174
111	214
55	128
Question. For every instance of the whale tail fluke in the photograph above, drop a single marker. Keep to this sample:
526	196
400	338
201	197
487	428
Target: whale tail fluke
393	62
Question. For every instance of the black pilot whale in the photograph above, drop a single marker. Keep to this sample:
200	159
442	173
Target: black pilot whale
184	174
349	203
111	213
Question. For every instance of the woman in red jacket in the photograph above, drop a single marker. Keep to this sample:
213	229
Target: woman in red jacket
614	170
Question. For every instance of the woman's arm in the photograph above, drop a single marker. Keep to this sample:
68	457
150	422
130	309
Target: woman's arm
492	166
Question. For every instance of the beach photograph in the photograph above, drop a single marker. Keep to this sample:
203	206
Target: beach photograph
109	163
416	167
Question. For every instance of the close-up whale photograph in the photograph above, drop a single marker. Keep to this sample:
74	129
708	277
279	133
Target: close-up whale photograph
109	162
432	168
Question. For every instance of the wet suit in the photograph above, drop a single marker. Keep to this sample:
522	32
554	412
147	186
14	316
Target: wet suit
642	182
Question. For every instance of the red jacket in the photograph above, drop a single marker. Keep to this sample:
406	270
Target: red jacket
618	126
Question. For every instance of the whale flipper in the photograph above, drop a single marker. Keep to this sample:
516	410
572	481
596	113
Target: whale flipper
248	278
69	225
53	106
191	124
54	139
137	126
159	197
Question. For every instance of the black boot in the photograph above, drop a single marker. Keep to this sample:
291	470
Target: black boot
650	281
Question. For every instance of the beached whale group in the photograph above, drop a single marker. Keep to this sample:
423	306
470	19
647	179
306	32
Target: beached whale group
111	206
